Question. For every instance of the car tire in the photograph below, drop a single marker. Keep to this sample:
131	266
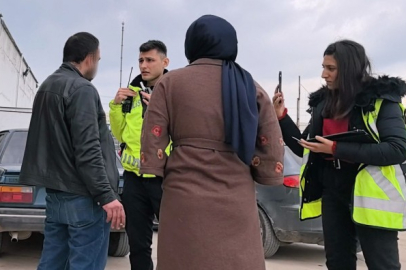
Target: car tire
2	236
4	241
118	245
270	242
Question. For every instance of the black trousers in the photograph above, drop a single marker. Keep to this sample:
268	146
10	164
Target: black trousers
141	200
380	247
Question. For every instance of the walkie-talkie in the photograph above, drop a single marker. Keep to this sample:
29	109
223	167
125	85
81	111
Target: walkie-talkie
128	102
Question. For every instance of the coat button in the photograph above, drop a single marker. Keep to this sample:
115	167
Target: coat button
256	161
264	140
279	167
160	154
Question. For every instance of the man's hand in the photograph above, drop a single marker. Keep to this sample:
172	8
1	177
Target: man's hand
122	94
324	146
115	214
146	97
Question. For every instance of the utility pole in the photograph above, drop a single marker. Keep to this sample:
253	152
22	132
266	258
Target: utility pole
121	59
298	108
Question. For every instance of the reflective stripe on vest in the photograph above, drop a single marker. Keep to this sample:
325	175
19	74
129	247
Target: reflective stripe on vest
370	120
305	159
308	209
379	191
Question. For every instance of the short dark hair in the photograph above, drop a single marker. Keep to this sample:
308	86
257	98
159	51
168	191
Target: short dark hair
154	44
78	46
354	68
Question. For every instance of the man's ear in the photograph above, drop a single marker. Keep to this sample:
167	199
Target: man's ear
166	62
88	60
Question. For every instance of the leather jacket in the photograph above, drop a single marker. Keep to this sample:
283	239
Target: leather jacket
69	145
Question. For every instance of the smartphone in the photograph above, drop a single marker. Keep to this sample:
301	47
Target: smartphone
296	139
280	82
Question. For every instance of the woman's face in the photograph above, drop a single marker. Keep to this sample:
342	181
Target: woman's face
330	72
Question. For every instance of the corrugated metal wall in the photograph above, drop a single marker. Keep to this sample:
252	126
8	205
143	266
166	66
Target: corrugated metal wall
16	89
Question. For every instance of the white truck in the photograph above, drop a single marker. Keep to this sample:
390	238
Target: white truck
18	84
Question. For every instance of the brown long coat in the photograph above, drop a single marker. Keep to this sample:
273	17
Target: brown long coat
209	216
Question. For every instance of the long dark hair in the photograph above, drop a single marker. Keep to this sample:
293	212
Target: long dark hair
353	68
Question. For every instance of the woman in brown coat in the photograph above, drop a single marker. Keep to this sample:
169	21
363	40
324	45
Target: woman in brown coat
225	136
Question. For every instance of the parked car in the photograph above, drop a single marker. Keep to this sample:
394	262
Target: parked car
278	208
22	208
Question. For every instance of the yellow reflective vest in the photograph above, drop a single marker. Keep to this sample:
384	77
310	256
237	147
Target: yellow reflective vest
127	128
379	192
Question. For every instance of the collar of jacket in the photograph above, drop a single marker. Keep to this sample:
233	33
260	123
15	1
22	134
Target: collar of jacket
137	80
71	67
207	61
385	87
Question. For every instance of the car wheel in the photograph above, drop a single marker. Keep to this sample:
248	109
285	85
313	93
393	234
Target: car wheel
1	241
118	245
270	242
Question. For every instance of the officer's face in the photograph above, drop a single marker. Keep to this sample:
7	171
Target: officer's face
330	72
152	65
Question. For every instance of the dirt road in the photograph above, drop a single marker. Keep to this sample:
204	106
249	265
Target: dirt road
24	255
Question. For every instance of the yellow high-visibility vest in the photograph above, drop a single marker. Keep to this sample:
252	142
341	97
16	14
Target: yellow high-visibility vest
127	128
379	192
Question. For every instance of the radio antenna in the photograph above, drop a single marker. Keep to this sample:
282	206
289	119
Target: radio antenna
121	59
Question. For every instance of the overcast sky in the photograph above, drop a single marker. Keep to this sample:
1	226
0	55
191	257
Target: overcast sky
288	35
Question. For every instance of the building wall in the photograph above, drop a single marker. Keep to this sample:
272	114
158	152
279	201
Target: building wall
17	85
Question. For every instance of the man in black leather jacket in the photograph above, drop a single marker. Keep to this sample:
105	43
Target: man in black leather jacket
70	151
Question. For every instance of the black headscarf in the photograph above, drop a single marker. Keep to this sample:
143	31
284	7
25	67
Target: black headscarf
215	38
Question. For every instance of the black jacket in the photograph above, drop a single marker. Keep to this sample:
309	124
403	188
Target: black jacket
390	124
69	146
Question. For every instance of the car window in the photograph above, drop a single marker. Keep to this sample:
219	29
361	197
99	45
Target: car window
14	152
292	163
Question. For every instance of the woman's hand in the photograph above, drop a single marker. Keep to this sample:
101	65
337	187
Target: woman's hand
323	146
278	103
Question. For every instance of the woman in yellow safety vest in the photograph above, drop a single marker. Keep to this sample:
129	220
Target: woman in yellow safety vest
357	182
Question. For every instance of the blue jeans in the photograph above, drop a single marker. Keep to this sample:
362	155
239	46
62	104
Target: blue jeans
76	234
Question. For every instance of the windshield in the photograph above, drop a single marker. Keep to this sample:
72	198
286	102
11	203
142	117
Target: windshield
14	152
